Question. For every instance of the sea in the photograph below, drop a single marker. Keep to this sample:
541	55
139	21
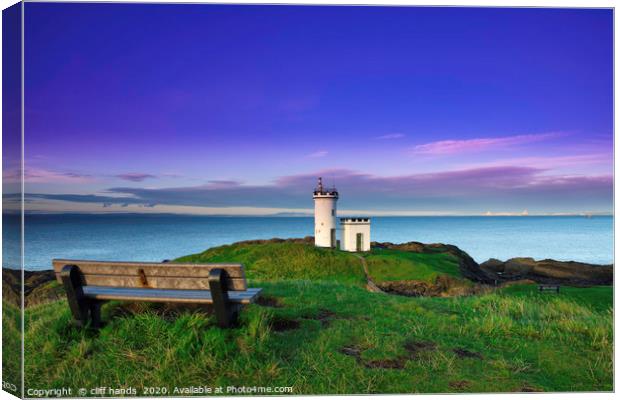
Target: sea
147	237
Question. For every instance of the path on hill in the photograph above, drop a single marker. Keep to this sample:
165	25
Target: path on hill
370	285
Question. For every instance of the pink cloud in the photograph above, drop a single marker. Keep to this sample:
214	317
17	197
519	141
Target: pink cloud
135	176
39	175
474	189
445	147
470	180
573	181
550	162
222	184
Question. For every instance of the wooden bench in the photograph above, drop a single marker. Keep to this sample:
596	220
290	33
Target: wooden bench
542	288
90	283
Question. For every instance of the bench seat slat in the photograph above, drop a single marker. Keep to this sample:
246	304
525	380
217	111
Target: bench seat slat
150	269
157	282
166	295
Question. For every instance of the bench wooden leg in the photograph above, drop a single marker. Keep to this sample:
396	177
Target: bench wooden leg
95	313
225	312
70	275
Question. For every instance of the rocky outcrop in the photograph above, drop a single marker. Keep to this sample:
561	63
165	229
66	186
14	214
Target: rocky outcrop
37	284
549	271
9	294
467	266
496	271
444	286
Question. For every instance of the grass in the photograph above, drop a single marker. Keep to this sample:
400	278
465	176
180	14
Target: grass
323	333
280	261
396	265
11	347
492	343
596	297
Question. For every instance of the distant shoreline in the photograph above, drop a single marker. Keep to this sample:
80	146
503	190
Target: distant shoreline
503	215
157	237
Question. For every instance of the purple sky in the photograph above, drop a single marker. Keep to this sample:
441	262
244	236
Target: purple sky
237	109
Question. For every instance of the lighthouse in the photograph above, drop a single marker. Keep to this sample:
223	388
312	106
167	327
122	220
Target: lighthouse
324	215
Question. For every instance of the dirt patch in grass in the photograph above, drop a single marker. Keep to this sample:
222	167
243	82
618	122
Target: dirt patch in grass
529	388
394	363
269	301
447	312
464	353
324	316
351	351
459	385
413	350
444	286
284	324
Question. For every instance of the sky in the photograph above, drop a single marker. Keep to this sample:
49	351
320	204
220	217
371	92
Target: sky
215	109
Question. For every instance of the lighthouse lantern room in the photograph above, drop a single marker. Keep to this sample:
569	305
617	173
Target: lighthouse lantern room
325	215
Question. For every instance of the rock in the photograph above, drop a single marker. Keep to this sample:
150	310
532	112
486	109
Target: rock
9	294
34	281
550	271
415	247
493	264
519	265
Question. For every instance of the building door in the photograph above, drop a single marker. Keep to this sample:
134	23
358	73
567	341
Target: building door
359	241
333	238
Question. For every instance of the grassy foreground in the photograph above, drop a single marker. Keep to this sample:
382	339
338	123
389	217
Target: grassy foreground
11	347
322	332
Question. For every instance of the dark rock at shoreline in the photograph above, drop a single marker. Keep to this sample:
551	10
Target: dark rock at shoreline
34	281
549	271
495	271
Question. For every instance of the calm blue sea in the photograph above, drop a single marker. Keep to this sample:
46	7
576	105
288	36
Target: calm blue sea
132	237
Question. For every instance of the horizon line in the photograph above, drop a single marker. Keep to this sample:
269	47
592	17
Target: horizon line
308	215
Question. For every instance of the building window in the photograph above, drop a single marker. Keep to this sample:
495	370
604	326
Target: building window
333	212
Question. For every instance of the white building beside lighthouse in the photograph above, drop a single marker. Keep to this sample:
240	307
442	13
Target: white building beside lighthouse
354	232
325	215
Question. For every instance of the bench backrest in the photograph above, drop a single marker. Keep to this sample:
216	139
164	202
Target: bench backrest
152	275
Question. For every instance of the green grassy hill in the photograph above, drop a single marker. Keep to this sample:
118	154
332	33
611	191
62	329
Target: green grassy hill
276	261
397	265
318	330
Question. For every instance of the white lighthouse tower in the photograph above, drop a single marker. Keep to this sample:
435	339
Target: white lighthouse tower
325	215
